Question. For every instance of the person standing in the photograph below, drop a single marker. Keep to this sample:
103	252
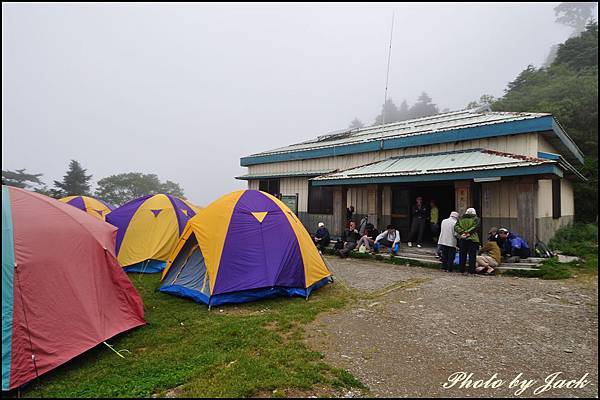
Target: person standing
349	213
434	220
420	217
468	239
447	241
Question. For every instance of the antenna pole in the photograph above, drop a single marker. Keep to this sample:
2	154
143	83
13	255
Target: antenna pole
387	75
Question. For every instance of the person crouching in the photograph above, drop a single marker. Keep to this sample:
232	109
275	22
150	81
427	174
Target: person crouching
389	238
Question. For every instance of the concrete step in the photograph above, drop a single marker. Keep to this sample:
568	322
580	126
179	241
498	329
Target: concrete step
521	265
419	256
534	260
503	267
430	258
418	259
416	250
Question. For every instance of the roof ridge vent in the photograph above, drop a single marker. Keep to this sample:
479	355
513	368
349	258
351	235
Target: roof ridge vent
333	136
485	107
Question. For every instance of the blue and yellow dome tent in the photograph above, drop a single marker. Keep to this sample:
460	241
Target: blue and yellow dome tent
149	229
244	246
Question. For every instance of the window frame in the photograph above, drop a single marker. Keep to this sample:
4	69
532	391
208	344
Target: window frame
271	185
556	198
317	196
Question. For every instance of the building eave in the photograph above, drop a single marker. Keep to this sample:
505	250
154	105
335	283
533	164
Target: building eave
546	170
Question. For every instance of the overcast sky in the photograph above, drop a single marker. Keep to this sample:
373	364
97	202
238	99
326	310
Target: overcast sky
185	90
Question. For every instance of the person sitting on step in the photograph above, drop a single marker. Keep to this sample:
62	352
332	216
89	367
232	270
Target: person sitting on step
368	238
389	238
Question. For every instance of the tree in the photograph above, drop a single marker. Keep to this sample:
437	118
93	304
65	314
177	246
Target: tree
121	188
423	107
525	78
75	182
389	113
172	188
356	124
403	111
568	89
485	99
575	15
582	51
21	179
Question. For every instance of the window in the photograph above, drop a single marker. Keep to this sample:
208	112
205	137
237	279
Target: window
556	198
320	199
270	186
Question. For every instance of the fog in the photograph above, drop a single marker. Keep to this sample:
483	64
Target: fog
185	90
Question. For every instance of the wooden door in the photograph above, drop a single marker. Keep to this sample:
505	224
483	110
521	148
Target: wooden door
526	212
401	211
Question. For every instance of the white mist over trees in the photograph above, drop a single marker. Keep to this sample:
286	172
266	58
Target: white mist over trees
574	15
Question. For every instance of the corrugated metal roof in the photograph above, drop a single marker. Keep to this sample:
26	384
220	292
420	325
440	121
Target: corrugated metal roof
438	163
418	126
268	175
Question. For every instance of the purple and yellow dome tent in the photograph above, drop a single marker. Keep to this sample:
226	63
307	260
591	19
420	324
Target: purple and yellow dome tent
245	246
90	205
149	229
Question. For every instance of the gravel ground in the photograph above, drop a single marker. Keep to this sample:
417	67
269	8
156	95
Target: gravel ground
411	328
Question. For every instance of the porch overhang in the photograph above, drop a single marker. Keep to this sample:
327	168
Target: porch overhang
449	166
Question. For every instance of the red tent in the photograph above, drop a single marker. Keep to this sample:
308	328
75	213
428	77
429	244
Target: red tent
63	291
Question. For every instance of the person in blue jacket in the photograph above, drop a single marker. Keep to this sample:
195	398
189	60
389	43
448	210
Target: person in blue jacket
512	245
322	237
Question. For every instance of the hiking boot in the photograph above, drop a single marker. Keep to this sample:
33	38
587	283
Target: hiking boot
419	246
409	244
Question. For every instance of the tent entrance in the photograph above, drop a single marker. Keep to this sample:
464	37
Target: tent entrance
187	275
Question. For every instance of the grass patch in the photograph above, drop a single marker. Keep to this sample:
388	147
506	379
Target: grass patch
186	350
578	240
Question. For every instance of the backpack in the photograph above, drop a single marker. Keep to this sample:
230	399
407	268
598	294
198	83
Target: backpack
363	225
542	250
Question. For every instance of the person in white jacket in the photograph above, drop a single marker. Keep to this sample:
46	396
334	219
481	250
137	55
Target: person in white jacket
447	241
389	238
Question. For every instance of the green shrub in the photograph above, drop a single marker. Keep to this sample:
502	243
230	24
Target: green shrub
577	240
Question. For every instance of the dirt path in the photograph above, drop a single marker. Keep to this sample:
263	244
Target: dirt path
412	327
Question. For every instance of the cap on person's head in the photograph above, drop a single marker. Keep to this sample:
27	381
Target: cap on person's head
470	211
493	230
454	214
321	224
502	230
